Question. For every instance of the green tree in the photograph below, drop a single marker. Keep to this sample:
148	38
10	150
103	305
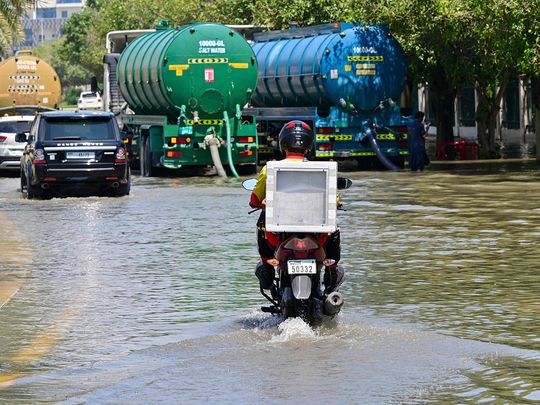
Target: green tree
435	38
78	55
503	30
12	10
10	30
70	74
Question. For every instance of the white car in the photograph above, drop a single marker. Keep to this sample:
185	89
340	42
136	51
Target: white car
90	100
10	150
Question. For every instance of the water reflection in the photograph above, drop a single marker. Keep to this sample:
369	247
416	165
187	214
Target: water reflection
140	294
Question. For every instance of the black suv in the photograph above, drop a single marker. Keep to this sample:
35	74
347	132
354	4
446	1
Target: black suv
81	151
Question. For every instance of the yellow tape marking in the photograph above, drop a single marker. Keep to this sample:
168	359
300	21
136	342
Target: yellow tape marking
376	58
205	122
192	61
239	65
365	72
179	69
386	137
335	137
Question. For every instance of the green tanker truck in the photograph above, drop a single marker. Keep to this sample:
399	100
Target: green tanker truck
184	90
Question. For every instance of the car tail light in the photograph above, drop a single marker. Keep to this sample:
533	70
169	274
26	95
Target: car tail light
301	244
179	140
2	138
39	157
174	154
246	139
324	146
120	155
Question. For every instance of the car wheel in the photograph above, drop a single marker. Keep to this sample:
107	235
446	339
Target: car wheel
23	182
32	191
122	190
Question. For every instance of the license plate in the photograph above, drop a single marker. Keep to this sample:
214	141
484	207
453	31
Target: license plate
80	155
302	266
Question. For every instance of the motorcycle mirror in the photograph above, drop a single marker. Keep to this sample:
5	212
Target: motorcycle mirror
343	183
249	184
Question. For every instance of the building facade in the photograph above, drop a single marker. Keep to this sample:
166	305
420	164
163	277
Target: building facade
45	22
515	121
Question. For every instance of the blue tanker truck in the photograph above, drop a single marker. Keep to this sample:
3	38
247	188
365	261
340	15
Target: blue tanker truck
344	79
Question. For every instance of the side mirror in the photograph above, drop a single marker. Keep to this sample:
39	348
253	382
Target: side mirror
249	184
343	183
21	137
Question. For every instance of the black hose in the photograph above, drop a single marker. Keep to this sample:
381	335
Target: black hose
383	159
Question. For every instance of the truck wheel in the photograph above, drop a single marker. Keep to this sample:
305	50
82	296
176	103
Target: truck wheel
146	159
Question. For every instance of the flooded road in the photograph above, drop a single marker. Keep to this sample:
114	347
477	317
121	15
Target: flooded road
151	298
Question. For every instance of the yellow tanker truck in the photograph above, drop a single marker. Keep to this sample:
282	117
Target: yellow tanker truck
27	81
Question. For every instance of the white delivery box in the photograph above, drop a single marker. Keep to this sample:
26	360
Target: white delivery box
301	196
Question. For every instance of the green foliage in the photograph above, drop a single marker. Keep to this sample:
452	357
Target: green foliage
12	10
71	94
81	51
10	27
70	74
449	43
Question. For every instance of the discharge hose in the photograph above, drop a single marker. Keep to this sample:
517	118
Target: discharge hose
229	144
383	159
213	144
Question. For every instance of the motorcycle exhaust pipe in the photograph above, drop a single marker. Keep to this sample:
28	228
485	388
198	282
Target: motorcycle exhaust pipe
45	186
333	303
115	184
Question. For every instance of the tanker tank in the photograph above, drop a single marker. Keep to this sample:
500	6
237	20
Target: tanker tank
202	70
351	66
28	81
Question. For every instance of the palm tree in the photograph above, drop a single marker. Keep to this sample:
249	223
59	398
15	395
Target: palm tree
10	13
12	10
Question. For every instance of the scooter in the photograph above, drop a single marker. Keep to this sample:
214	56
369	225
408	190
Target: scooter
299	264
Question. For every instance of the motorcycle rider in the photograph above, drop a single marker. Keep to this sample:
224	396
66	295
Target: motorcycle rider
295	141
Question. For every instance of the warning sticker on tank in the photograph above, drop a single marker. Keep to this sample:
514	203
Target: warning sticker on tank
179	69
193	61
205	122
363	72
366	66
334	74
209	75
365	58
334	137
239	65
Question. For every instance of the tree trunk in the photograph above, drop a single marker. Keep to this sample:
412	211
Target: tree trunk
535	85
495	107
487	111
443	96
481	117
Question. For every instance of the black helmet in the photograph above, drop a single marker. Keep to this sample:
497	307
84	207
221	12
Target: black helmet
296	136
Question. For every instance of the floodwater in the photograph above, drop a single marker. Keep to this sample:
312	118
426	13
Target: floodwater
151	298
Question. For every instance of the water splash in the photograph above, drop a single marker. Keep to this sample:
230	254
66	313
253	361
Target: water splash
293	328
258	320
